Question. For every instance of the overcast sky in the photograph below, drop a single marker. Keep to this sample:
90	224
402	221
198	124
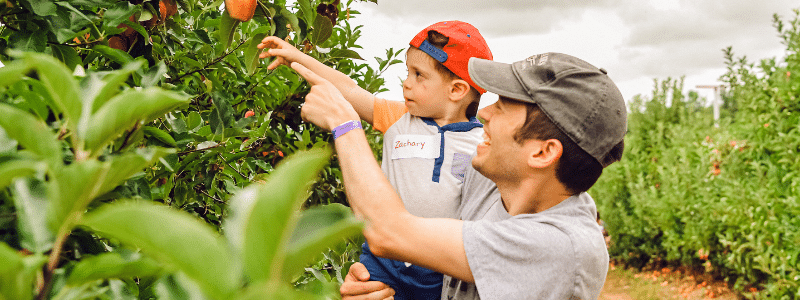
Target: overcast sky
635	40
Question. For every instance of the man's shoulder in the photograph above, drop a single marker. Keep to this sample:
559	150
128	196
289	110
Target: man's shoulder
561	253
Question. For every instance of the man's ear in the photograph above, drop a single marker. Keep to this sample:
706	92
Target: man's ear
459	89
545	154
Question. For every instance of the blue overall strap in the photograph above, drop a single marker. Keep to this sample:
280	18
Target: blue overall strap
454	127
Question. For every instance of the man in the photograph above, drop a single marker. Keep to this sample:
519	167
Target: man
558	123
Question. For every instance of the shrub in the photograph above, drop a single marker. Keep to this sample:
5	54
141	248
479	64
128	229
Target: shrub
722	200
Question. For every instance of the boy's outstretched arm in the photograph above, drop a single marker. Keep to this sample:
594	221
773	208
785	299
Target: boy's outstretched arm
391	231
285	54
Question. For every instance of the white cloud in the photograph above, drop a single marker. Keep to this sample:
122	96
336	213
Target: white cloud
636	40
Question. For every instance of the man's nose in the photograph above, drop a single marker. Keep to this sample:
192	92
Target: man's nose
483	113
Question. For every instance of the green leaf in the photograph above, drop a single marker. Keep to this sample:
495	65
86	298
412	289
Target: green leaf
61	25
17	273
116	55
190	61
126	165
41	7
264	216
100	91
160	135
308	12
227	28
93	3
274	291
67	55
318	229
138	28
251	53
8	146
222	116
36	98
31	133
345	53
119	13
127	109
171	237
61	85
154	75
26	40
322	30
75	186
67	5
124	264
291	18
177	287
72	188
13	72
17	168
30	200
10	266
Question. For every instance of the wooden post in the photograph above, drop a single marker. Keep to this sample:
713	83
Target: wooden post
716	102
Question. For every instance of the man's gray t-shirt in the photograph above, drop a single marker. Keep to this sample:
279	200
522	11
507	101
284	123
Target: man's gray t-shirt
559	253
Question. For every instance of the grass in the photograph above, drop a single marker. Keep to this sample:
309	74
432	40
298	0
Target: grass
624	284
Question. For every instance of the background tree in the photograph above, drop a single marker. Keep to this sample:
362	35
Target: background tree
108	113
722	201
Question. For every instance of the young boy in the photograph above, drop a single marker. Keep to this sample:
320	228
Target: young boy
428	140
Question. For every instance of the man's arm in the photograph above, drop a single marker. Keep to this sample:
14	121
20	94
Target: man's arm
285	53
391	230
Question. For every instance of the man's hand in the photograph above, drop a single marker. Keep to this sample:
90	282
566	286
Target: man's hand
283	52
325	106
357	286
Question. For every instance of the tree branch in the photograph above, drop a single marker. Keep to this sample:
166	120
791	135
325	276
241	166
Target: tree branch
209	196
203	149
213	62
229	165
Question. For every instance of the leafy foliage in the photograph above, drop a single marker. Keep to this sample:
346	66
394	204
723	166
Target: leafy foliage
723	200
166	104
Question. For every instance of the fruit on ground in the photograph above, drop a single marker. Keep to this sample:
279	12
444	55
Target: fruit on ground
241	10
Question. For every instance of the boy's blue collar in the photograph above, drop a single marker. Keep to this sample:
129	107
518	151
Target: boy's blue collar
453	127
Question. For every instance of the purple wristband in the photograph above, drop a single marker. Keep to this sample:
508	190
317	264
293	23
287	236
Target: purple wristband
345	128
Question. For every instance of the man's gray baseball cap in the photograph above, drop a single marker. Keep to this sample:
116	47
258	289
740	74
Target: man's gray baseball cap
579	98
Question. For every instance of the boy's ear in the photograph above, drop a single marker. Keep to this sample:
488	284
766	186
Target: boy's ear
459	89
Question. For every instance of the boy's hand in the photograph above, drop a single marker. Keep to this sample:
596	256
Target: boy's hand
283	52
357	285
325	106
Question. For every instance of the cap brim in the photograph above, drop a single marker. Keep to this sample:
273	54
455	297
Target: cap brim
498	78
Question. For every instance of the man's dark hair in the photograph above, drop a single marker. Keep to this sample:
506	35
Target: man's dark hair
439	41
576	169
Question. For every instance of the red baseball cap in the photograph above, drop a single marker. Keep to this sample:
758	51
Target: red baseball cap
465	42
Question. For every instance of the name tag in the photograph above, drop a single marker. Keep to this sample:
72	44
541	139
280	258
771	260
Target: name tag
415	146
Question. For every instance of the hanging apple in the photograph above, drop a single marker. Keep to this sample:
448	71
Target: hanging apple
241	10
